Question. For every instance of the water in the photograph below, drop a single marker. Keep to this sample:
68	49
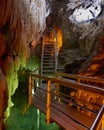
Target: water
24	117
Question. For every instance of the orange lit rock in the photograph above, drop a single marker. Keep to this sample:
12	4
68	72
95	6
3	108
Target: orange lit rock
90	100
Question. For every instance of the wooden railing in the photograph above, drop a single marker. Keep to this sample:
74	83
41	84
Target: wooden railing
80	78
99	121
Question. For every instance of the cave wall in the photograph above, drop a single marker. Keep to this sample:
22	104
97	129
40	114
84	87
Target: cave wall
79	40
21	22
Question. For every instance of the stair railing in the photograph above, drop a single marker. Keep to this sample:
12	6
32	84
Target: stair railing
42	57
56	51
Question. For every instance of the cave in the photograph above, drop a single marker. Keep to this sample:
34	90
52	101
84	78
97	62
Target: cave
75	26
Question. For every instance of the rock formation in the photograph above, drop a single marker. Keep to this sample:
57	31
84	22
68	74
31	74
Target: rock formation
21	22
82	41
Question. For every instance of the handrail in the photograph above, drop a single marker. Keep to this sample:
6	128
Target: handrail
42	59
83	78
70	84
56	51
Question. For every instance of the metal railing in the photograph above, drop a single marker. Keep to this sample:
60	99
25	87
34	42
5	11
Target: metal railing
98	123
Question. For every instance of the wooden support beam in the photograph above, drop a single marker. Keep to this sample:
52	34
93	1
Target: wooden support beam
48	110
57	91
30	90
103	123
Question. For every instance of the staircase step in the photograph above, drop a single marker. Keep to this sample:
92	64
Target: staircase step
47	51
50	59
47	55
47	42
48	62
49	72
48	37
50	44
50	67
48	47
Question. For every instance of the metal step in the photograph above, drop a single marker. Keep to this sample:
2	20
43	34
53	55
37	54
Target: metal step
48	44
48	63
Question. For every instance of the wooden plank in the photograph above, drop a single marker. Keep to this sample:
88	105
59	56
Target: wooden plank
70	84
73	113
61	113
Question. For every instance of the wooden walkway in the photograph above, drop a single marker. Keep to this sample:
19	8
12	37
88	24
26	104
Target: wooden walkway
48	100
67	117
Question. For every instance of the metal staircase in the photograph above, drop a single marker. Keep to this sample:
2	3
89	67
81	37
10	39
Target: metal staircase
49	53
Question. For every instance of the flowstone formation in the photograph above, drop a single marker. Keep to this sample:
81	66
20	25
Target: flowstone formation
21	22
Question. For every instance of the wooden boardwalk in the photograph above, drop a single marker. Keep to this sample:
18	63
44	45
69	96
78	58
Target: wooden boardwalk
67	117
47	99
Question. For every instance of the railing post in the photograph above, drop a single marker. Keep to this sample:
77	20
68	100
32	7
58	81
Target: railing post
103	119
57	91
103	123
78	94
78	80
48	110
30	90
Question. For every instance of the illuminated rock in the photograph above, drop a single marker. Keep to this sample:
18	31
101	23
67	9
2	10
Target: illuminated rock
90	100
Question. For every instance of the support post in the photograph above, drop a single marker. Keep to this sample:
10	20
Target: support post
103	123
98	122
57	91
78	94
48	110
30	90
